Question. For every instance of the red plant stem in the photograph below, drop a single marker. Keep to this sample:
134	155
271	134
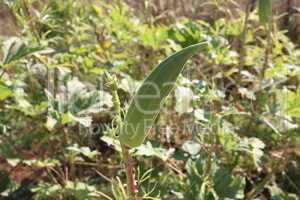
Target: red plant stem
131	185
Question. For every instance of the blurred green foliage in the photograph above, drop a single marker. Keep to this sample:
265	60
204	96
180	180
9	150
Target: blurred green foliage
226	131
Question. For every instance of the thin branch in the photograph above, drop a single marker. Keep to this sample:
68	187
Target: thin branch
102	175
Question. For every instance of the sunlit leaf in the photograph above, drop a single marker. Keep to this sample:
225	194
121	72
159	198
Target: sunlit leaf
191	147
5	92
86	151
146	104
50	123
148	150
184	97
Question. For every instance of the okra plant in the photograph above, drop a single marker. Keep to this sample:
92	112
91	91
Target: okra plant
145	106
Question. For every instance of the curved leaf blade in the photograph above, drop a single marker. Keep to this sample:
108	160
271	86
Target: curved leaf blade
145	106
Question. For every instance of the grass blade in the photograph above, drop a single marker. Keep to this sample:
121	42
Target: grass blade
264	10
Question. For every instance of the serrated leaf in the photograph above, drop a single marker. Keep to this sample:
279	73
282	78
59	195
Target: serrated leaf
145	106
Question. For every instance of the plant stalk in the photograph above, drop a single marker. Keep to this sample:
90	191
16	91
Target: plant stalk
243	38
128	162
268	50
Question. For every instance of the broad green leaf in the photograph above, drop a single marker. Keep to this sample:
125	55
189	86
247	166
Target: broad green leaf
228	186
290	102
264	10
255	147
115	143
146	104
78	189
4	92
192	147
148	150
86	151
228	140
293	103
66	118
153	36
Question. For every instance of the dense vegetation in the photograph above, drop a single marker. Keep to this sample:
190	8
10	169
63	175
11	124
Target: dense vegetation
228	130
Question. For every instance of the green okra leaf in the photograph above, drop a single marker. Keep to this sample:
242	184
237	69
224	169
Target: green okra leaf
264	10
145	106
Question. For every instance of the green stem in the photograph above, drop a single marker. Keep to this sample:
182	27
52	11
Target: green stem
268	50
127	158
243	37
131	186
